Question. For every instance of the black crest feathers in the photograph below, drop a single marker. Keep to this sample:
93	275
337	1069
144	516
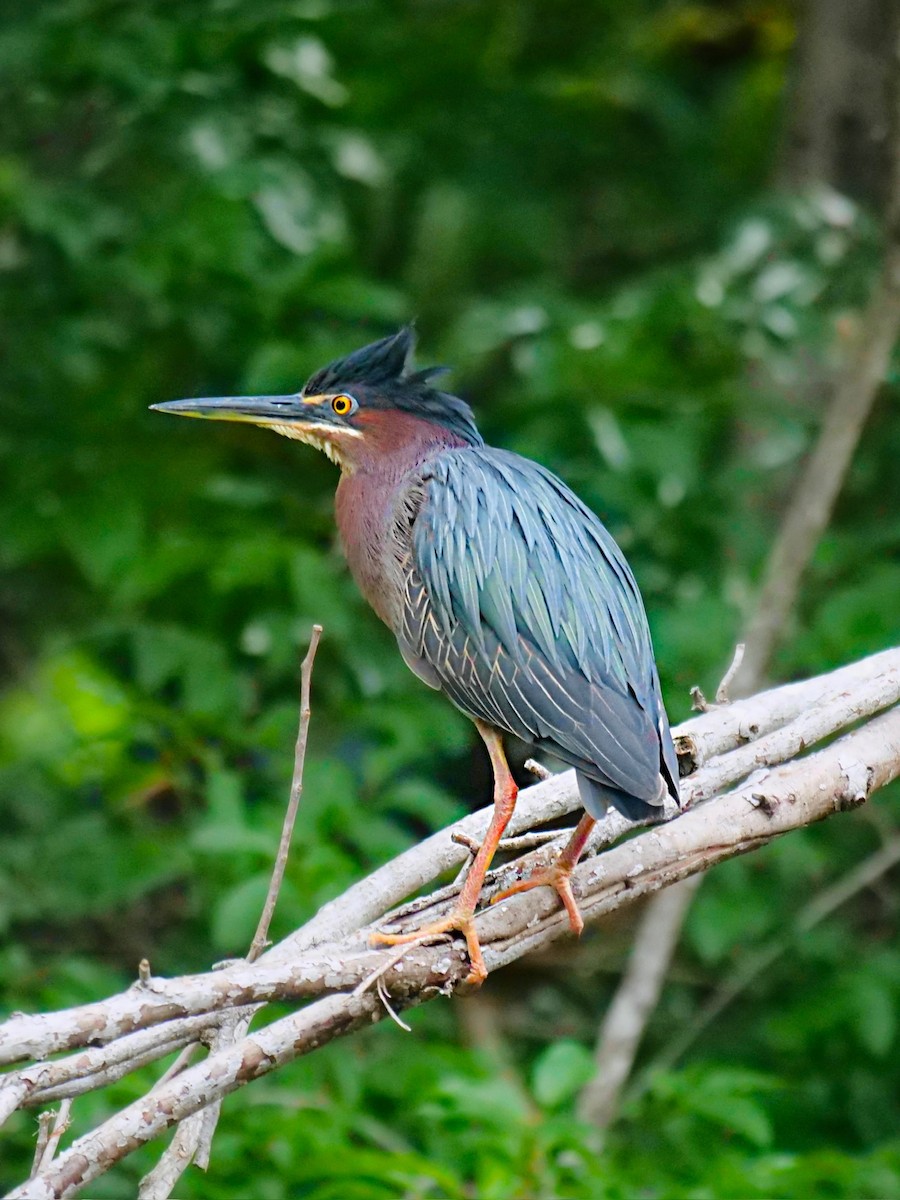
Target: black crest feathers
385	361
384	370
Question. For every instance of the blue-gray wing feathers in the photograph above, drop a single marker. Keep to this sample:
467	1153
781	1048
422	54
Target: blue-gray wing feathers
520	607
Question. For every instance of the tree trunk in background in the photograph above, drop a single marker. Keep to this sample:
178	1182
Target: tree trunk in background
837	120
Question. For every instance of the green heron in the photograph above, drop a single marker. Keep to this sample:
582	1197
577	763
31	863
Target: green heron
503	590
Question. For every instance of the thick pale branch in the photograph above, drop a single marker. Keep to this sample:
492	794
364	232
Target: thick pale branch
45	1082
717	732
325	966
147	1118
794	738
836	701
789	797
699	739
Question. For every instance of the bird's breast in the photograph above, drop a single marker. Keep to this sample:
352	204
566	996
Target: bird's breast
374	519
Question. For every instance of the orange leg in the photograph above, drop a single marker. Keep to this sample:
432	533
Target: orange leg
559	875
462	918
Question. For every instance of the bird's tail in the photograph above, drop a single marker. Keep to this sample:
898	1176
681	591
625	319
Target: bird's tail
598	798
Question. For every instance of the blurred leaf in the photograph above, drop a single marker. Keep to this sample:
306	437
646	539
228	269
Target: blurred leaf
561	1071
237	911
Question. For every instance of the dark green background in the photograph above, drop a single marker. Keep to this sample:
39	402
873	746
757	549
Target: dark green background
573	200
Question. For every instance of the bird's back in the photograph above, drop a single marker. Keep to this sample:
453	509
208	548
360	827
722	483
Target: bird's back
519	606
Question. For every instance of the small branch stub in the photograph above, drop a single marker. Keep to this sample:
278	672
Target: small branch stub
722	695
699	702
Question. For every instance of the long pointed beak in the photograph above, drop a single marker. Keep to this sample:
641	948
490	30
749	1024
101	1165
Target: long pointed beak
259	410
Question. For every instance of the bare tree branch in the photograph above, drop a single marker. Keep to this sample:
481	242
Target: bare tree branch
45	1082
837	778
836	701
745	721
634	1001
697	741
156	1016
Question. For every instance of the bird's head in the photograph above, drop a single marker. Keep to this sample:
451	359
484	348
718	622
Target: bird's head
366	405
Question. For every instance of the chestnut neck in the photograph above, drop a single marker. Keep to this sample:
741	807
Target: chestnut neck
393	442
371	504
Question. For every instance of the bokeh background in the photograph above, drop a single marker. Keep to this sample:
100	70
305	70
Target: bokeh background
642	235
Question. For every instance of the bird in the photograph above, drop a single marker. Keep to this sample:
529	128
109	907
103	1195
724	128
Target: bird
504	591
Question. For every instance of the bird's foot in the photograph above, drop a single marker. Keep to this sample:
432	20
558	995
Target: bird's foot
456	922
559	878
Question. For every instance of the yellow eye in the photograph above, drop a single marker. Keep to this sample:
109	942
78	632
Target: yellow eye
343	404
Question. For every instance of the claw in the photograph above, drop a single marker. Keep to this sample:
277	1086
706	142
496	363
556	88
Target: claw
456	923
559	878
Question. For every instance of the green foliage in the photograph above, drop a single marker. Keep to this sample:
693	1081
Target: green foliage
211	198
560	1072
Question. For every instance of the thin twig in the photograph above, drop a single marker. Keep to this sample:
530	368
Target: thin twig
386	1001
722	692
45	1124
157	1184
260	938
699	702
203	1145
193	1139
390	961
538	770
513	845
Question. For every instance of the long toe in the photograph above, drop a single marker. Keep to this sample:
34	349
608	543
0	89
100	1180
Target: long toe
561	883
456	923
